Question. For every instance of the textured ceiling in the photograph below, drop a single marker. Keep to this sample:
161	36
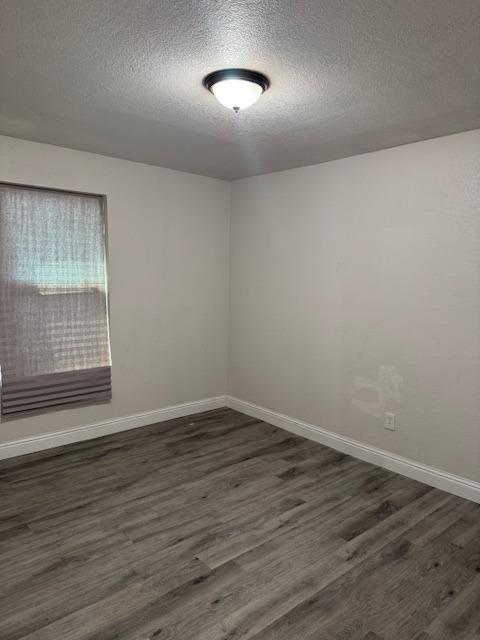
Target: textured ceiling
123	77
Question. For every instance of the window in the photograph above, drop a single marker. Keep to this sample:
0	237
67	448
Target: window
54	332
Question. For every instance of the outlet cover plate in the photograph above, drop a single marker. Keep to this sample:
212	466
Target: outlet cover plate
389	421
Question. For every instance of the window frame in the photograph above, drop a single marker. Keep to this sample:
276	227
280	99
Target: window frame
102	197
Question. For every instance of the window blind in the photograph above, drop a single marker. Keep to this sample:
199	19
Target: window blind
54	330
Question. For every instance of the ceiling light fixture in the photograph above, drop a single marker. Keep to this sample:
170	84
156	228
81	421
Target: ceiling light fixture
236	88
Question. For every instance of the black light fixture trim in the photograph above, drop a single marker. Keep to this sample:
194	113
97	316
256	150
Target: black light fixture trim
236	74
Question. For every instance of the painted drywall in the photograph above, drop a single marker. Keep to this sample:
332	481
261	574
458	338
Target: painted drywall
168	276
124	78
355	290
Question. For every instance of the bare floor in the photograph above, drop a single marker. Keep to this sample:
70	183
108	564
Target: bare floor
218	527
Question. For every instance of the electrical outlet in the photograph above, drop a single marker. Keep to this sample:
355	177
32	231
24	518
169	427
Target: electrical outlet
389	421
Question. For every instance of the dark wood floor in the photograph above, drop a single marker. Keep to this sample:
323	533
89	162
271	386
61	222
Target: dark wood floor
219	527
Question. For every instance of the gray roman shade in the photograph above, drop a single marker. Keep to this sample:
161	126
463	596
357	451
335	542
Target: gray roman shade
54	332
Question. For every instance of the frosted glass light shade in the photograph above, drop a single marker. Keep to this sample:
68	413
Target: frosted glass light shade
237	94
236	88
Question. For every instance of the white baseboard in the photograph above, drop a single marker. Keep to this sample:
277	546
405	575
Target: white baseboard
429	475
59	438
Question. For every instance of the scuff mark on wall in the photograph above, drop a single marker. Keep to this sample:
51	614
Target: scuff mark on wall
384	389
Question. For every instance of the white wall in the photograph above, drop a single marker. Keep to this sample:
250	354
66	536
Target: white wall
341	274
168	268
360	270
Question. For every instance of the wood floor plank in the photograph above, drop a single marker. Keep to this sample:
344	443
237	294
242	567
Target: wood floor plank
221	527
461	617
